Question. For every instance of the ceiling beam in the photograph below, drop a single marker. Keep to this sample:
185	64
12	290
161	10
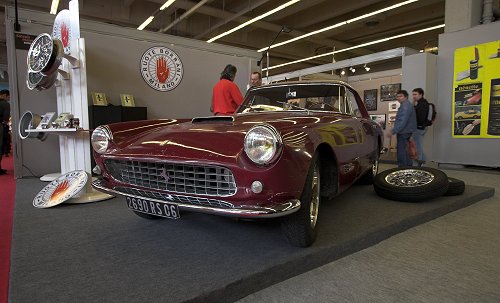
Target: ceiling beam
242	11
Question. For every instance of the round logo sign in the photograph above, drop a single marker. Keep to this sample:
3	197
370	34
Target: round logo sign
161	68
62	29
61	189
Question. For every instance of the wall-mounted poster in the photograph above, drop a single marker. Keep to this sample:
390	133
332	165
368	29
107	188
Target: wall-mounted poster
370	99
476	91
388	91
393	106
380	119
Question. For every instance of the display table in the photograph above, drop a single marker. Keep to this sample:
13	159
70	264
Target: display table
100	115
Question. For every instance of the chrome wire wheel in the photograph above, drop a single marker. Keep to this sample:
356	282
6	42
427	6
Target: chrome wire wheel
315	197
409	178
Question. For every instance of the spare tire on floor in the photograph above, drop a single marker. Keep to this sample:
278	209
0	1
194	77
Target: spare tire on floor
411	184
455	187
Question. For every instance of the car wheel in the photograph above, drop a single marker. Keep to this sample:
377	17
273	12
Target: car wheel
368	177
411	184
475	117
147	216
460	117
455	187
300	227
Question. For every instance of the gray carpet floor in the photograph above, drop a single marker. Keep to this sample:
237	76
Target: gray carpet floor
101	252
454	258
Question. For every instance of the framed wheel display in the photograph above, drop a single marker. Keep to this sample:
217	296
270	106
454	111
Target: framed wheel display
40	82
45	54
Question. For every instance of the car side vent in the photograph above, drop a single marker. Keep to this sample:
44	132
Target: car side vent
215	119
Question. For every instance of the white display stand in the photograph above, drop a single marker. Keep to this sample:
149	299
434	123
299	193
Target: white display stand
71	88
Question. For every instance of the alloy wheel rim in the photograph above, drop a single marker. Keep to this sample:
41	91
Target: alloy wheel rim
313	209
409	178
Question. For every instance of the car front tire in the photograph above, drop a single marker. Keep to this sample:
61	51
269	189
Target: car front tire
301	227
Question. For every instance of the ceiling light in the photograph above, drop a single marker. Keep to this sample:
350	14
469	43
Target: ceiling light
166	4
342	72
366	68
357	46
340	24
253	20
145	23
353	70
53	7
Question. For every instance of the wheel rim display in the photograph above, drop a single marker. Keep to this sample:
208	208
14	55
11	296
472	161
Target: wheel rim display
45	54
313	210
409	178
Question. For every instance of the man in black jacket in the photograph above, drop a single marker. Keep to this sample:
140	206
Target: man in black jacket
422	111
4	119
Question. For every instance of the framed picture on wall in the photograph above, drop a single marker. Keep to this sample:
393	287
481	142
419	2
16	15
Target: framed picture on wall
127	100
370	99
392	118
99	99
388	91
393	106
380	119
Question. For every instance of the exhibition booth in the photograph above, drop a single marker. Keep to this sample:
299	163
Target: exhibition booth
109	74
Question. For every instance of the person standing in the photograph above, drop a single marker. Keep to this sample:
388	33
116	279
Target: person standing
4	120
404	126
226	96
255	79
422	112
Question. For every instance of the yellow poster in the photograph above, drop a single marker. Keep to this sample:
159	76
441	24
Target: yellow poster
476	91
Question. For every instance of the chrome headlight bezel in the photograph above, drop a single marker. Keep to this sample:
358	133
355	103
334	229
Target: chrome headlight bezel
257	154
101	137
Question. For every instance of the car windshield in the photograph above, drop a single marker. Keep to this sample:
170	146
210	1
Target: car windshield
323	97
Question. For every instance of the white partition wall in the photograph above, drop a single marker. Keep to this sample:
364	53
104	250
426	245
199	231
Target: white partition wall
483	152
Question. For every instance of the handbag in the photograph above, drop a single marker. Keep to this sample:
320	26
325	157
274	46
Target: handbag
412	149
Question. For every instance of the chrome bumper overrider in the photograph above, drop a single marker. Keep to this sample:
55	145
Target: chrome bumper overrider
242	211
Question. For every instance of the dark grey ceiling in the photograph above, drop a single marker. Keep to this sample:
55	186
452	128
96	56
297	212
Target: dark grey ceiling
217	16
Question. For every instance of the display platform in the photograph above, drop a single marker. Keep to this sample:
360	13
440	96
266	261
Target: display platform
102	252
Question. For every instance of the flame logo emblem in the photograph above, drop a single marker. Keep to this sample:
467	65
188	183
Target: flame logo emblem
60	190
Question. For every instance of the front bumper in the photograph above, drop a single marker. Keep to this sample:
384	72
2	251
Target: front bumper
209	206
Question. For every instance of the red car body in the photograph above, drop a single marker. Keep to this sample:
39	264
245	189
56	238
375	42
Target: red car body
144	156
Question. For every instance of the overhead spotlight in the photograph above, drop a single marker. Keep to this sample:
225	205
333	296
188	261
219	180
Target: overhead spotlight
352	69
342	72
366	68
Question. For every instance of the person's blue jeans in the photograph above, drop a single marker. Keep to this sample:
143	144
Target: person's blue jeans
402	150
418	138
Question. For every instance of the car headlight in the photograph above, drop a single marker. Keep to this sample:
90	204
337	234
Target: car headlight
263	144
101	136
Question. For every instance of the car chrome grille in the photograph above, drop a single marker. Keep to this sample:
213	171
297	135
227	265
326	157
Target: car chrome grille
174	177
175	198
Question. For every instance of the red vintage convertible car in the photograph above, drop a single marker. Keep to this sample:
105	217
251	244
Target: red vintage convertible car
289	146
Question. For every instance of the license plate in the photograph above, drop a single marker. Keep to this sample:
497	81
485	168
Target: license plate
161	209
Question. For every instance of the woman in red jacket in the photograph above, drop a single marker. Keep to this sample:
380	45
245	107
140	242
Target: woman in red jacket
226	96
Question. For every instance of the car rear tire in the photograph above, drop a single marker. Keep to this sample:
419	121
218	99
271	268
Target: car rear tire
147	216
411	184
301	227
455	187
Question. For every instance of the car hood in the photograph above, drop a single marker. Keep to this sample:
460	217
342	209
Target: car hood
217	139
